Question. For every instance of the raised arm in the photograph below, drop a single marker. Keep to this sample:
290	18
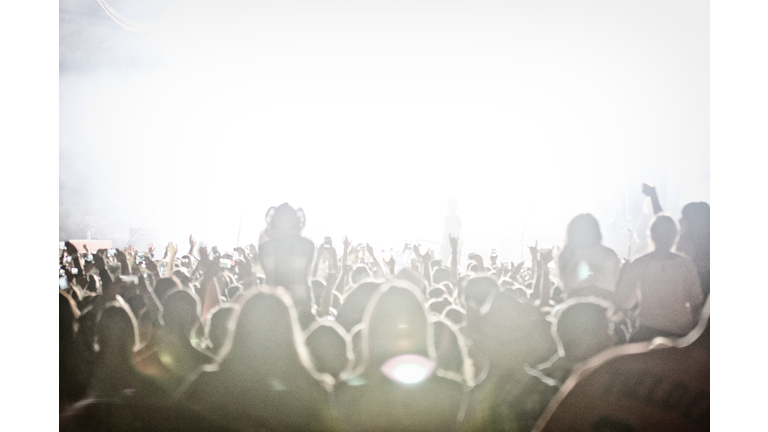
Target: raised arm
650	192
171	257
374	261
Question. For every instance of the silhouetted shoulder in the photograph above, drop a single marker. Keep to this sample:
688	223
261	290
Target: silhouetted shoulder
635	388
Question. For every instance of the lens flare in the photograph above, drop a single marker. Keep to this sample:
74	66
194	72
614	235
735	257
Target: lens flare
408	368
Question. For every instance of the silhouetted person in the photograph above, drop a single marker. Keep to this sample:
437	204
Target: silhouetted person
397	388
694	240
664	285
170	356
286	257
71	385
220	325
266	378
694	235
638	387
586	267
329	347
582	329
506	336
115	376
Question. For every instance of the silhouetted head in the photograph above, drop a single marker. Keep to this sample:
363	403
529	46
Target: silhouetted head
663	232
165	285
219	326
583	230
182	276
355	301
440	275
360	273
181	311
116	330
396	324
267	340
478	291
583	327
284	220
451	351
329	346
412	277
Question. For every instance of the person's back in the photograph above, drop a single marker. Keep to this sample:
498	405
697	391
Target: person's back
286	257
286	262
585	266
664	284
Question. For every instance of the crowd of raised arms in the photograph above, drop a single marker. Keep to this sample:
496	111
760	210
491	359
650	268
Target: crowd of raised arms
289	335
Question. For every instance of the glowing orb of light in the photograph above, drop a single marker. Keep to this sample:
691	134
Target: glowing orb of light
408	368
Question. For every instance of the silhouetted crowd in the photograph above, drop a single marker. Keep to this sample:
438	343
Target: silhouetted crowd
289	335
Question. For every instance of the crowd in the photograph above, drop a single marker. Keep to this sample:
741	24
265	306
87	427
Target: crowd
287	335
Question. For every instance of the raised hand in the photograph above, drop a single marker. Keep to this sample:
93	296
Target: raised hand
171	248
454	243
150	249
346	243
534	253
120	256
125	269
71	249
85	248
98	262
648	190
192	244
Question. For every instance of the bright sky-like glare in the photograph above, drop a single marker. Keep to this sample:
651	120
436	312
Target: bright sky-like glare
371	116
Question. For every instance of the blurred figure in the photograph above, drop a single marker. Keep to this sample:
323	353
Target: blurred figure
694	234
396	387
644	386
71	385
585	266
286	257
265	379
219	326
506	336
115	376
664	285
329	347
171	356
694	240
582	329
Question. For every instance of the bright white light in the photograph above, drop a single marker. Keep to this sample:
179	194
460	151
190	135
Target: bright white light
372	119
408	368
